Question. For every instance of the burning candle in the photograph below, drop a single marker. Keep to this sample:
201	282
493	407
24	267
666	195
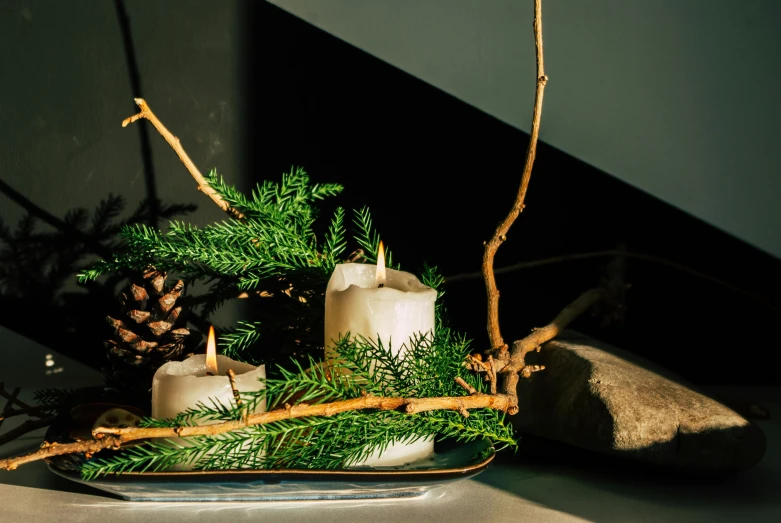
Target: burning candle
377	302
201	378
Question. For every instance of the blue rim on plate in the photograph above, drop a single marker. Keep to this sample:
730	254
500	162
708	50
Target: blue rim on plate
457	462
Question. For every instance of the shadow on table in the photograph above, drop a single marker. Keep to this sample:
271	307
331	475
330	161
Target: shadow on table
602	488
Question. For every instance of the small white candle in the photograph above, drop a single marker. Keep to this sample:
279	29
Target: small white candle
375	302
180	385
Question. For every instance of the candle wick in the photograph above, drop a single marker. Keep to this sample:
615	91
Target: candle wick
209	373
380	286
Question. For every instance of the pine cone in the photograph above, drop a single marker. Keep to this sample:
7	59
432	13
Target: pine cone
150	331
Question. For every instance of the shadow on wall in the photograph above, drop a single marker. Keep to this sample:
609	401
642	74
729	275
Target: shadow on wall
39	261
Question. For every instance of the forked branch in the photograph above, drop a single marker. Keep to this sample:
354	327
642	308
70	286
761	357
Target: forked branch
173	141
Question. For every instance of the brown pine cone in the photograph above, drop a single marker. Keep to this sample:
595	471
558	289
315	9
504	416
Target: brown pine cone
149	330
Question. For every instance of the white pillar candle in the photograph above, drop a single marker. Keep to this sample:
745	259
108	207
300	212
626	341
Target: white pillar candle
180	385
402	308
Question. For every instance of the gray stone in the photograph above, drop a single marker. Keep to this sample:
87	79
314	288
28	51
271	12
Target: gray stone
601	398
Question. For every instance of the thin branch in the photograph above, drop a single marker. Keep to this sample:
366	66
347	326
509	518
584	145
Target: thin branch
49	450
28	426
173	141
236	394
112	438
500	235
517	358
232	379
543	334
466	386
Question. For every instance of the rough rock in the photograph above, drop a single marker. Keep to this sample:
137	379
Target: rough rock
601	398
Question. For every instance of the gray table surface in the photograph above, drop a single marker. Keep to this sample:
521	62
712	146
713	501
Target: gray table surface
510	489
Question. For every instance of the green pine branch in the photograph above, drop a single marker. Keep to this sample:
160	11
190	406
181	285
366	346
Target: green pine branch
428	368
368	238
280	248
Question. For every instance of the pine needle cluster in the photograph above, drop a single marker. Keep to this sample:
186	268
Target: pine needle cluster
279	256
428	369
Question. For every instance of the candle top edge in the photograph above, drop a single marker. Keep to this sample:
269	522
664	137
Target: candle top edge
362	276
195	367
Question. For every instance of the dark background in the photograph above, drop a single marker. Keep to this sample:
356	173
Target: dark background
438	176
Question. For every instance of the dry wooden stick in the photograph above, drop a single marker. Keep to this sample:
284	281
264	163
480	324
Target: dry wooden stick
112	438
173	141
516	362
500	235
237	394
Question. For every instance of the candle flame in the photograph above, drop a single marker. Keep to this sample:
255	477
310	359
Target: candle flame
211	353
379	279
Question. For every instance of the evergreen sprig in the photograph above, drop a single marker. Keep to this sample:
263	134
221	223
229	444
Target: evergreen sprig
280	253
275	239
426	366
278	250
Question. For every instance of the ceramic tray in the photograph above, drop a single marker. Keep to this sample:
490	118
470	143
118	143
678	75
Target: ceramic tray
448	464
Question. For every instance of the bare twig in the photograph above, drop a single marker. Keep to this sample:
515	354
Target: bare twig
49	450
28	426
500	235
112	438
236	394
516	363
466	386
232	379
173	141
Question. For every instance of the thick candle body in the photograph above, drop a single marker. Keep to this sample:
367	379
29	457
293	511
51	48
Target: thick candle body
403	308
180	385
353	303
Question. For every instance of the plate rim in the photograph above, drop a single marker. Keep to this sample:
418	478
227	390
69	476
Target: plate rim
368	473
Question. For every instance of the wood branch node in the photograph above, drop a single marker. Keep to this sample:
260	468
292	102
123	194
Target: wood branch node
466	386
